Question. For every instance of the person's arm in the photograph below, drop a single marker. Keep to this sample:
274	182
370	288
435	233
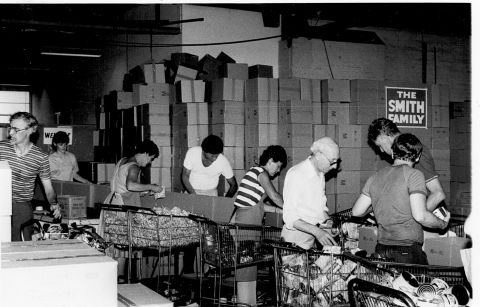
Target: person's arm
321	235
51	197
270	190
134	186
233	186
436	195
423	216
76	176
186	180
362	205
79	178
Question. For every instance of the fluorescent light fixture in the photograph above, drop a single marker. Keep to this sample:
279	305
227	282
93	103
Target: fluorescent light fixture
75	54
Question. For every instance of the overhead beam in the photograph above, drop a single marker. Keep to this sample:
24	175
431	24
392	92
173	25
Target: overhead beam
35	24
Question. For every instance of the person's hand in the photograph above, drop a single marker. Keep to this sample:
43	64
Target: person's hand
156	188
324	237
278	210
446	219
56	210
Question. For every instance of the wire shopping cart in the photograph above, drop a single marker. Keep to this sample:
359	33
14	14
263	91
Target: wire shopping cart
224	248
368	294
136	228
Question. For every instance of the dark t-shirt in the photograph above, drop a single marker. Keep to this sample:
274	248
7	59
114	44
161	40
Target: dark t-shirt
390	189
426	165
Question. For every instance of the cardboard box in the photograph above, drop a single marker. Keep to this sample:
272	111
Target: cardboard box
227	112
234	71
190	91
348	182
296	154
231	134
189	136
190	114
317	117
252	155
295	112
153	114
441	158
159	134
6	189
154	73
160	93
51	272
123	100
260	71
440	95
295	135
261	89
261	112
261	134
445	251
335	90
236	156
367	238
158	175
183	58
365	92
185	73
351	159
310	89
209	68
228	89
325	130
335	113
363	114
72	206
288	89
164	158
346	201
141	296
350	136
440	116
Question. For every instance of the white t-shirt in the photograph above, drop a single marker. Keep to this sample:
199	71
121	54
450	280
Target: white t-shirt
63	166
206	178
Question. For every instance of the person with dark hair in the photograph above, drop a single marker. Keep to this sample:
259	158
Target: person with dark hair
397	196
26	162
63	164
125	186
381	135
255	186
203	166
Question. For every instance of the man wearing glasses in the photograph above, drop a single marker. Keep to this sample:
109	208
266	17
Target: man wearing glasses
304	199
26	162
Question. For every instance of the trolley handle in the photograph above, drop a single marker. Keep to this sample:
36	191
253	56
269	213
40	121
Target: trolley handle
126	208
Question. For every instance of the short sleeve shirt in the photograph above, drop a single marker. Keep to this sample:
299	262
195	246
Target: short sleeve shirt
25	169
206	178
426	165
390	190
63	166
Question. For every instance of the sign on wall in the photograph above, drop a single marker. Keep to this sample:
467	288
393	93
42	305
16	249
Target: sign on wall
407	107
48	133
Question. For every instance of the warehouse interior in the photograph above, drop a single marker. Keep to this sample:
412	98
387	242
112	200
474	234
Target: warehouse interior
255	74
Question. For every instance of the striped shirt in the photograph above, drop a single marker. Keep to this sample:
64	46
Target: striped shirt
250	191
25	169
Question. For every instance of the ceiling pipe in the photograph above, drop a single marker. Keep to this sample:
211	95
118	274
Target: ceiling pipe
152	29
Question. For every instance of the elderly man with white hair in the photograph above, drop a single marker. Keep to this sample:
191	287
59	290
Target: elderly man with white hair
305	203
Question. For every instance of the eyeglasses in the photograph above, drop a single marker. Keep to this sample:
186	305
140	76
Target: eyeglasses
332	162
16	130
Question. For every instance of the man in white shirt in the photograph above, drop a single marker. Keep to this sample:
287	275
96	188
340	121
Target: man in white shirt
304	200
203	166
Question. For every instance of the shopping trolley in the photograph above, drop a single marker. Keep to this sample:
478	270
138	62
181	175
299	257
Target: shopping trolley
224	248
142	229
367	294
